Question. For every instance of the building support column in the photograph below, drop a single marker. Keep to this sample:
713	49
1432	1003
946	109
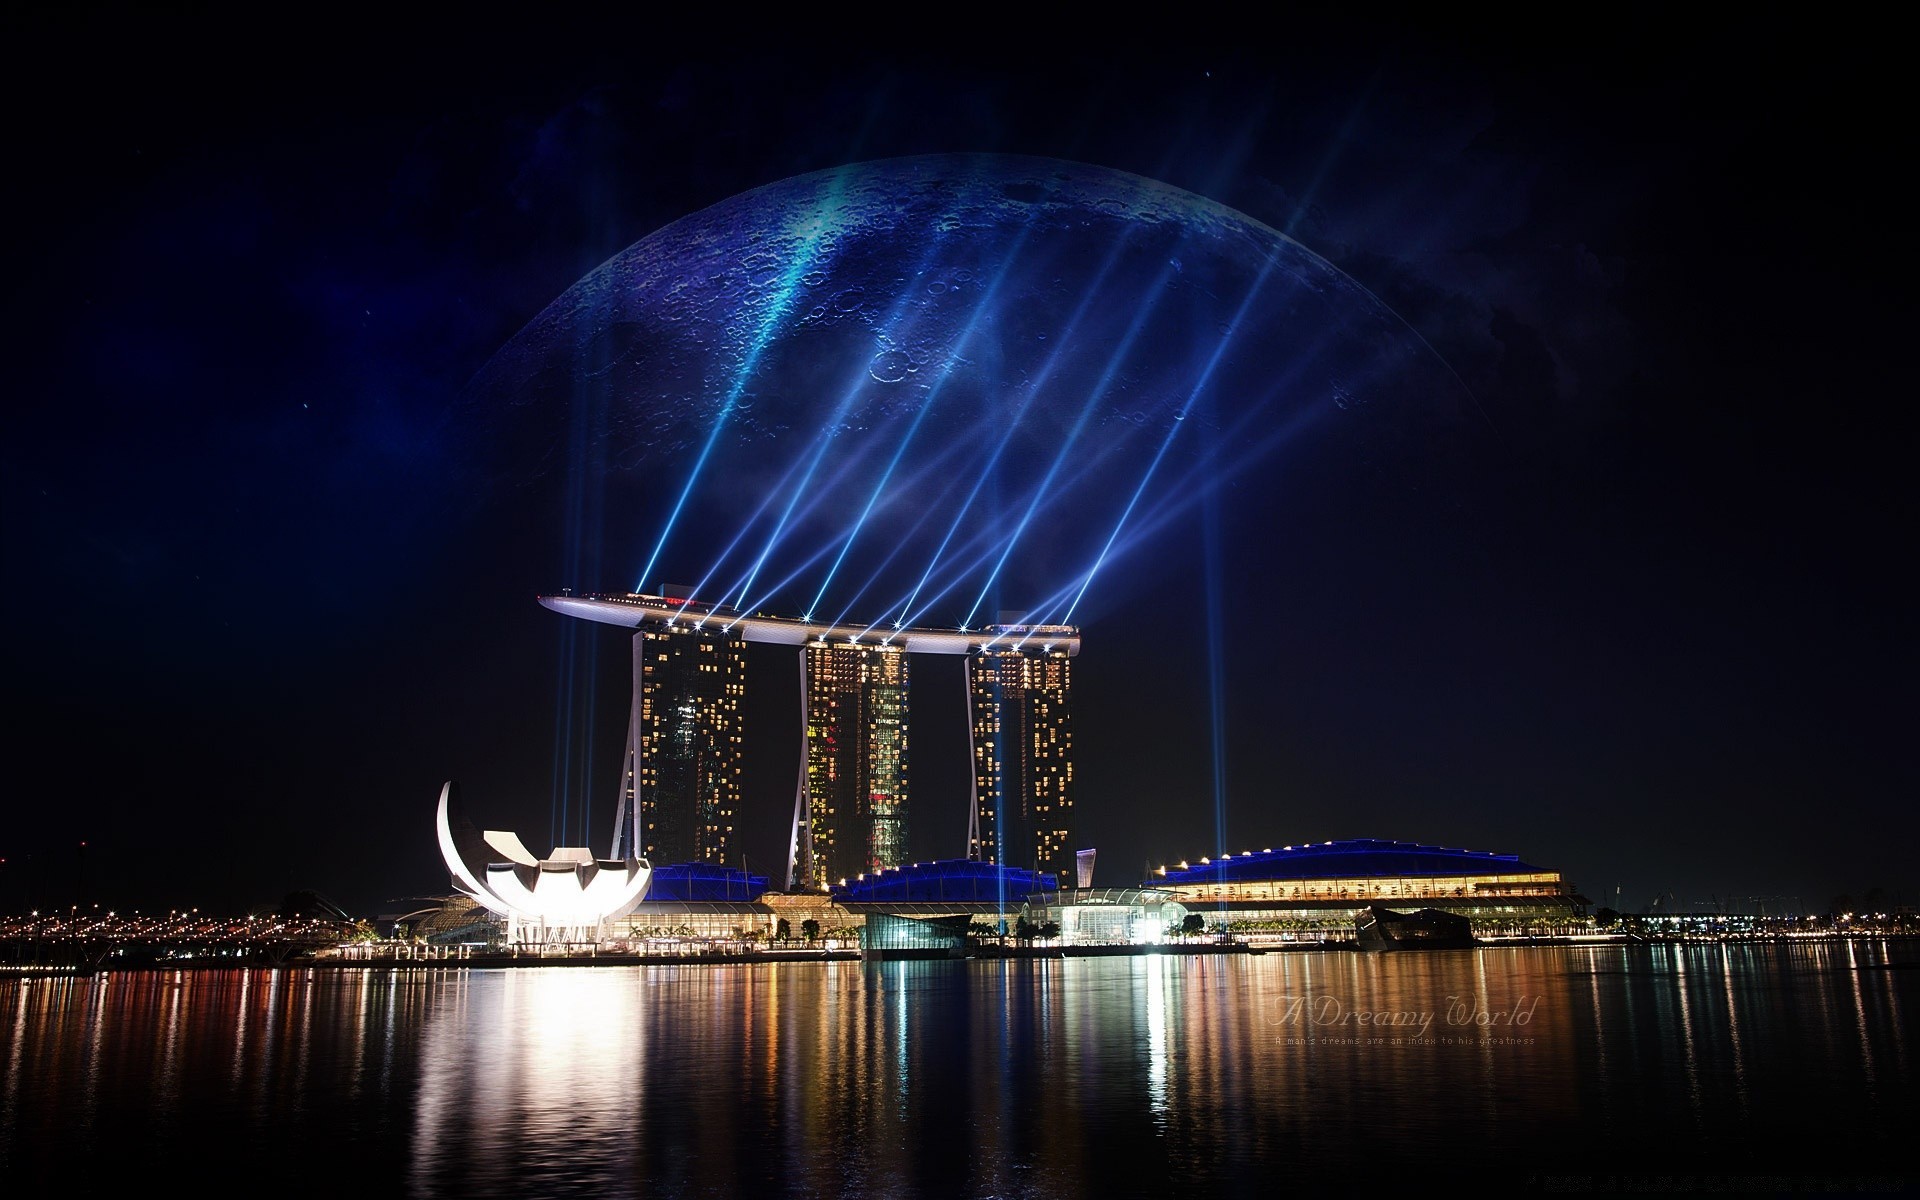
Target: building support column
626	812
800	866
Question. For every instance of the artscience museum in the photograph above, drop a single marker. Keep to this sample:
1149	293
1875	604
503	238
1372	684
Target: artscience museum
569	896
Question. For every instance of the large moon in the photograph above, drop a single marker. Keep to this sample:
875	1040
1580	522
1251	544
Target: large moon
931	388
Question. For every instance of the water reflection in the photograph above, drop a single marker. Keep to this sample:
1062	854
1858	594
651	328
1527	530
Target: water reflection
1083	1077
1157	1039
530	1072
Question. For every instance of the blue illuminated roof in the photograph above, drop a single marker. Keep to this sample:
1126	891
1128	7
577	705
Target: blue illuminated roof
690	882
956	880
1356	858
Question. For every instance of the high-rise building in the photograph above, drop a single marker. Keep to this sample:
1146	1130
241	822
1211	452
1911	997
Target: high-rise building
680	781
856	760
1019	688
850	810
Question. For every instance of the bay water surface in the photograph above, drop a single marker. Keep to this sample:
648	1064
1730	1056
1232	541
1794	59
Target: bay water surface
1767	1068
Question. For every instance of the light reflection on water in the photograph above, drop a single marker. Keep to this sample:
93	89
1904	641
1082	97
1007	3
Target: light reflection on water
1079	1077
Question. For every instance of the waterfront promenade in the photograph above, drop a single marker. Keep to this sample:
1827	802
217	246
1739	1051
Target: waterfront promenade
306	947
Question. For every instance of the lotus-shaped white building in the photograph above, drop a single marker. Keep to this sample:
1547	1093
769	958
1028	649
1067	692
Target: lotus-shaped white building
569	896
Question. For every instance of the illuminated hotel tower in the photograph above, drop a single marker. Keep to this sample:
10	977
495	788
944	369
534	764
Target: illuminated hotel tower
856	761
1018	699
680	782
682	779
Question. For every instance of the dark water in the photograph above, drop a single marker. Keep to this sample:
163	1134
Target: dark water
1771	1068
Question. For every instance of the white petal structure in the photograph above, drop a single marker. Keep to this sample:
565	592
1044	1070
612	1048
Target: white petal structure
570	894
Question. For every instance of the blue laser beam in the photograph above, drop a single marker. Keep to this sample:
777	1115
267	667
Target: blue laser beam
1216	665
856	384
1087	408
980	308
1179	421
1032	390
818	498
772	317
1092	471
931	467
700	588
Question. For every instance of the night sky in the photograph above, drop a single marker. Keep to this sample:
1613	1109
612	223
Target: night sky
261	603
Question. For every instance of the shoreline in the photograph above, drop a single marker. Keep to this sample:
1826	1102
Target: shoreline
512	961
419	959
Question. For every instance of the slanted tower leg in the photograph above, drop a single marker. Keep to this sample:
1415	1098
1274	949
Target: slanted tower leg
800	868
626	811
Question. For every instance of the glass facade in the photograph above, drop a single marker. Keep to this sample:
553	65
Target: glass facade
1390	888
1019	697
680	785
887	935
1321	886
1109	916
702	882
947	881
857	805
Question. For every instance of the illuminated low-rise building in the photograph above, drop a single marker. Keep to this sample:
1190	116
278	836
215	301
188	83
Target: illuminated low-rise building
702	882
1110	916
886	936
947	881
1324	885
995	896
695	901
